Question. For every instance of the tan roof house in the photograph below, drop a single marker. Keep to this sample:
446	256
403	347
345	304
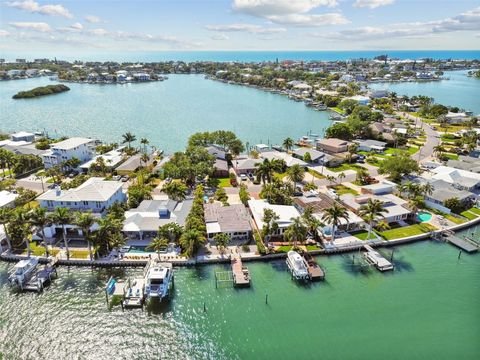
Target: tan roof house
332	145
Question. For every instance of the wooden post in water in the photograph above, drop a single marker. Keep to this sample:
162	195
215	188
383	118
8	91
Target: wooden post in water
204	307
106	296
391	256
266	299
459	254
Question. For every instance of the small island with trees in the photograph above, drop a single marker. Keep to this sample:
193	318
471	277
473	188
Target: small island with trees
41	91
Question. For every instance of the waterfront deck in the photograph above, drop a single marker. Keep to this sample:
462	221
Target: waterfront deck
466	245
374	258
241	275
134	293
314	270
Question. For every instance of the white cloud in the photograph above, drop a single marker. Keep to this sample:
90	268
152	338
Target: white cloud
92	19
34	7
310	20
98	32
220	37
291	12
266	8
34	26
4	33
372	4
77	26
250	28
468	21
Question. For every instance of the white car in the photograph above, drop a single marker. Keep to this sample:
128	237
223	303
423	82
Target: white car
243	177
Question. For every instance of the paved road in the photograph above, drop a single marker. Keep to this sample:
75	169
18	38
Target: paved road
426	151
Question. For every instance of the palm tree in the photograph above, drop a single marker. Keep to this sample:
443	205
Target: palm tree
20	219
288	144
158	244
176	190
311	222
296	231
295	174
144	142
330	179
62	216
85	220
144	158
221	239
5	219
116	240
190	240
333	215
341	176
128	137
427	189
39	219
352	150
265	171
270	225
371	212
438	150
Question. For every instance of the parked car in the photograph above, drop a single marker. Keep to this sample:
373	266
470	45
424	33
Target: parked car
243	177
116	177
250	176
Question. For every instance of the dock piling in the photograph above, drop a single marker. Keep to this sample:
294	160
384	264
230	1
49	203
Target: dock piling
459	255
204	307
266	299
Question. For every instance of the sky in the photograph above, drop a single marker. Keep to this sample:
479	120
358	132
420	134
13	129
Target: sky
150	25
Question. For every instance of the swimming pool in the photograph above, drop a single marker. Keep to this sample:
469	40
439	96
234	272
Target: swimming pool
424	216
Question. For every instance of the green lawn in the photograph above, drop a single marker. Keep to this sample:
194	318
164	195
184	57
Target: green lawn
406	231
344	167
342	189
338	110
450	156
468	215
79	254
453	219
362	234
411	150
316	174
280	176
224	182
475	210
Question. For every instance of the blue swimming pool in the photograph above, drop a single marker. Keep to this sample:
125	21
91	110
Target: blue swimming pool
424	216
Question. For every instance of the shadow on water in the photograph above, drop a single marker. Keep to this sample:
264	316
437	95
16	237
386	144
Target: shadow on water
351	265
279	265
155	307
394	256
202	273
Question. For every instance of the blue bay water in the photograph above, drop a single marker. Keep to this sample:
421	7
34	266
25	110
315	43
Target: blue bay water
248	56
166	113
460	90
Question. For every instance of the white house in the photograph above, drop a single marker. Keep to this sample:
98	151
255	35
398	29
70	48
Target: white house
23	136
284	212
7	198
460	179
111	159
95	194
371	145
76	147
457	118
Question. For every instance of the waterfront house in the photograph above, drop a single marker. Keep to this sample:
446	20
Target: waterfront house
95	195
217	151
111	159
76	147
233	220
360	99
133	163
377	94
370	145
284	212
457	118
23	136
220	168
141	224
332	145
7	199
21	148
460	179
468	163
443	191
396	207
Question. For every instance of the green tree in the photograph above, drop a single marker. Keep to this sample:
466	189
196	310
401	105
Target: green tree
176	190
39	219
397	167
340	131
243	194
295	174
62	216
307	157
288	144
128	138
333	216
85	220
270	225
158	244
296	231
371	212
5	219
221	239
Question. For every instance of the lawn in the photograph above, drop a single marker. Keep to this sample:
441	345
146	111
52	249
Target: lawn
224	182
342	190
454	219
338	110
411	150
468	215
280	176
79	254
344	167
407	231
287	248
362	234
450	156
316	174
475	210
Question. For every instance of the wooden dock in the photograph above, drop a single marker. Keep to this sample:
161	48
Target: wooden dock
241	275
134	293
466	244
41	278
314	270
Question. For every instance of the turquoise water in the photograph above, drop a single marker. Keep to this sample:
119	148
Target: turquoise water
428	308
166	113
460	90
424	216
250	56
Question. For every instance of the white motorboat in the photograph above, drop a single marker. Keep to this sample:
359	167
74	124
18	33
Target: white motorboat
297	266
158	280
23	271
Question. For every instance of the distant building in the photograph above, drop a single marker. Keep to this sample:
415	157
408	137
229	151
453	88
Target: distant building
7	199
233	220
332	145
284	212
23	136
370	145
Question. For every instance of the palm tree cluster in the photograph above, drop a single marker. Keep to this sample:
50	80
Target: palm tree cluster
17	163
266	170
20	222
167	233
334	216
195	233
416	193
371	212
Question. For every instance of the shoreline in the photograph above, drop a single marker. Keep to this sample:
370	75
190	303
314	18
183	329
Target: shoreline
227	258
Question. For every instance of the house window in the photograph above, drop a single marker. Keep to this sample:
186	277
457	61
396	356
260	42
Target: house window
85	203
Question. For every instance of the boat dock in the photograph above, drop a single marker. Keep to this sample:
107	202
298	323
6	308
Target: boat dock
314	270
374	258
241	275
466	244
41	278
134	295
